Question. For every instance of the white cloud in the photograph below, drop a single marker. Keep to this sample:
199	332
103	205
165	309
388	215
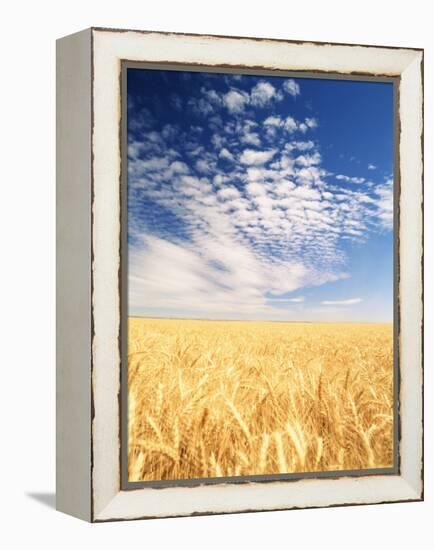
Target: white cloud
350	179
273	121
262	93
304	192
235	101
256	158
297	300
384	204
291	87
179	167
250	138
218	141
289	124
300	145
220	179
228	193
204	166
220	276
349	302
255	189
311	122
310	174
212	96
309	160
372	167
226	154
154	164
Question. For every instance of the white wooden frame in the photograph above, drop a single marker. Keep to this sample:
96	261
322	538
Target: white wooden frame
88	312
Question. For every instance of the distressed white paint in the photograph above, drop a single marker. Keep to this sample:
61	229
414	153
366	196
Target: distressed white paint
411	271
109	49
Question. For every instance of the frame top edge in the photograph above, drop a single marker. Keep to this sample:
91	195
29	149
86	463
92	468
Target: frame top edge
300	42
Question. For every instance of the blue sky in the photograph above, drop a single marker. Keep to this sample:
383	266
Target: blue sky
257	197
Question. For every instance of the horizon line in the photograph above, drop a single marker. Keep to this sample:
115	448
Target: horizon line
257	320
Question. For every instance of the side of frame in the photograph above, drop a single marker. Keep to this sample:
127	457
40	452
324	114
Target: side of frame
73	275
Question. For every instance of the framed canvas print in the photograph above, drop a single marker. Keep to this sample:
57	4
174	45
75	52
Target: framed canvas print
239	266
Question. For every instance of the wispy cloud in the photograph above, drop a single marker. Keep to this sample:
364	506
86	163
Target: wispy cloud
291	87
349	302
297	300
221	276
350	179
384	204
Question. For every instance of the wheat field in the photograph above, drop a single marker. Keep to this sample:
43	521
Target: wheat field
235	398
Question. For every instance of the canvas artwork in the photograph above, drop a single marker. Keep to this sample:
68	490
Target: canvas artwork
259	262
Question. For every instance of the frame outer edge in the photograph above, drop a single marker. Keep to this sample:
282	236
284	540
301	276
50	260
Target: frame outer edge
422	68
414	237
73	269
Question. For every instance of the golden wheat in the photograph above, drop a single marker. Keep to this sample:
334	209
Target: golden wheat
233	398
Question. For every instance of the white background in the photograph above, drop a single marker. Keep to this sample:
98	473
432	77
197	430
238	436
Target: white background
27	398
